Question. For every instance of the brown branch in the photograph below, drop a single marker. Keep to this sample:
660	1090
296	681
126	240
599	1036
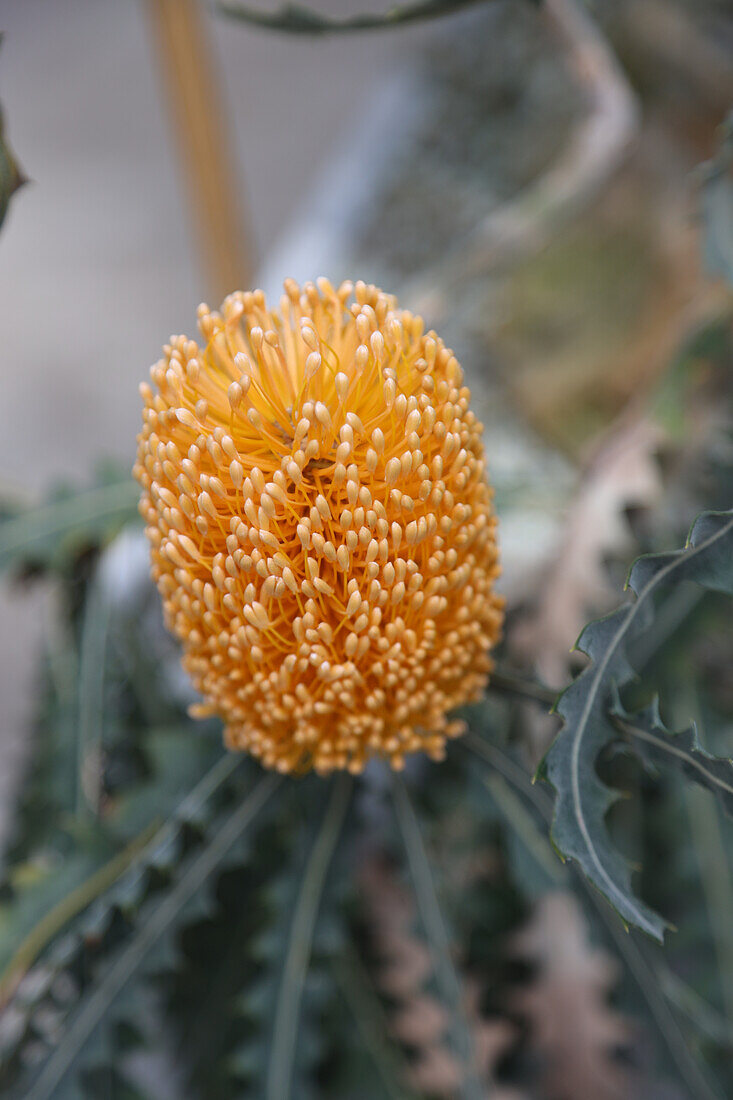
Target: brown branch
205	147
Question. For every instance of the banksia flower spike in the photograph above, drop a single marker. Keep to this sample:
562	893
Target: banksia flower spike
314	489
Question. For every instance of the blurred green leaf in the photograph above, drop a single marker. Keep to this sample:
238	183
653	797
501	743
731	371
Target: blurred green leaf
39	887
11	177
46	533
283	1045
717	207
60	903
298	19
84	1042
533	861
436	934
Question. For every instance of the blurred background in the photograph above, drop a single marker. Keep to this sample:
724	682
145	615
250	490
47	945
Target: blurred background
530	176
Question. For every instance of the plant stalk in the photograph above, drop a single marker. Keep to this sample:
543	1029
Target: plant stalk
198	119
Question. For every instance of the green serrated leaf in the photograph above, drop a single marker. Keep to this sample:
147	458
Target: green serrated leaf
105	906
147	946
679	1052
579	831
47	895
656	744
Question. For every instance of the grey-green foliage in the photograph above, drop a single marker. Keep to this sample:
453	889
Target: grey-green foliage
171	903
298	19
84	1040
659	746
434	925
278	1058
717	207
583	800
677	1041
534	863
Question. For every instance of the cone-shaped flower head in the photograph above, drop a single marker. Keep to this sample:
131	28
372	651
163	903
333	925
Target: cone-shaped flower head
320	523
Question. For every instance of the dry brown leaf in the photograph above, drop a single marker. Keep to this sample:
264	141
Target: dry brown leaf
572	1026
622	473
419	1020
435	1071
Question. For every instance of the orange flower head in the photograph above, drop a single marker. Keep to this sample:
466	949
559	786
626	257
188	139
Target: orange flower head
314	489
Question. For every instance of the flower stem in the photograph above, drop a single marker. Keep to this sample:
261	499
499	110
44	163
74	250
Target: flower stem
512	683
